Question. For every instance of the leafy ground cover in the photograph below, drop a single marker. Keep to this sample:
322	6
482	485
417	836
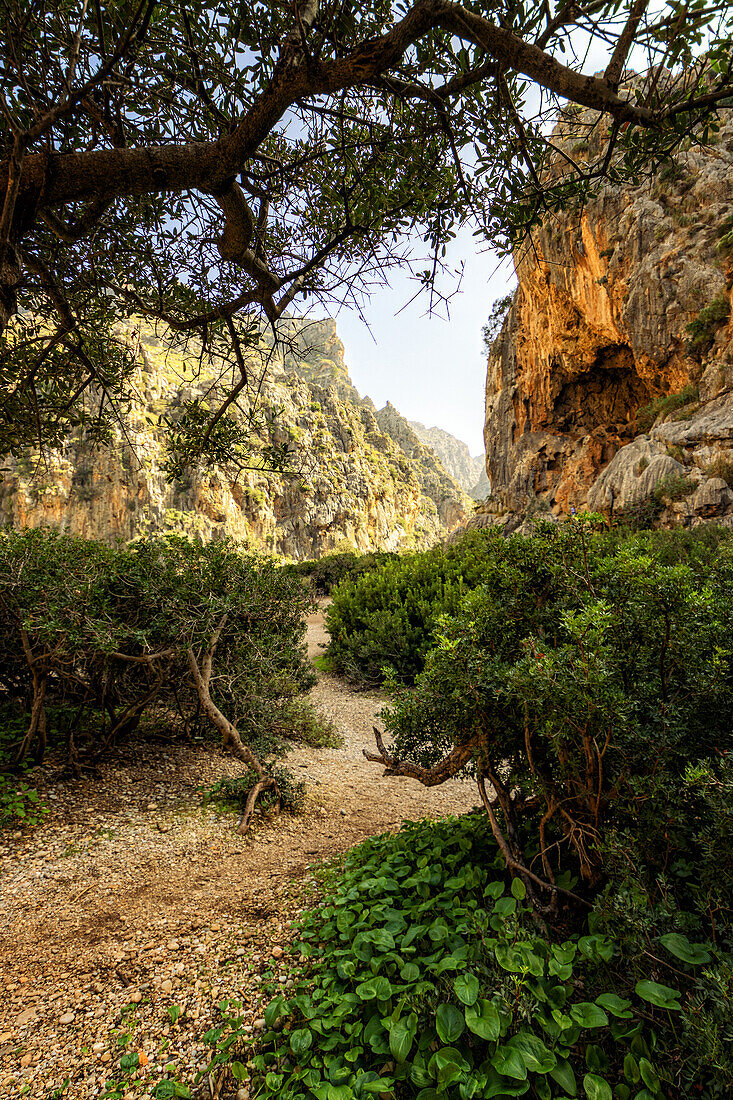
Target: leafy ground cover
427	976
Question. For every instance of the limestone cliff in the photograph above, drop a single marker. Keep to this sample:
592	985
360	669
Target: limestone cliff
352	480
613	374
468	470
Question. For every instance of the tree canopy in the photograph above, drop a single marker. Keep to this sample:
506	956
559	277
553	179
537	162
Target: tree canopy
208	164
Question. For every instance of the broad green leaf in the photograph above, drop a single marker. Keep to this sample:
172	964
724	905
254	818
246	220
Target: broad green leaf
562	1072
465	988
663	996
483	1020
596	1088
649	1075
617	1006
449	1023
410	972
519	890
679	946
401	1036
300	1041
536	1056
510	1062
588	1014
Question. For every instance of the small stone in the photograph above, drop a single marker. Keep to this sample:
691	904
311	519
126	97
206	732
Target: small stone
98	1048
277	952
260	1023
67	1018
242	1094
152	805
106	1056
26	1060
166	986
6	1036
343	813
135	998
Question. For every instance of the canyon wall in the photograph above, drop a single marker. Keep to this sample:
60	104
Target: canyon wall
467	469
353	478
611	383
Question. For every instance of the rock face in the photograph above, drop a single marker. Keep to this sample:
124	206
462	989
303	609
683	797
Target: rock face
621	323
468	470
358	477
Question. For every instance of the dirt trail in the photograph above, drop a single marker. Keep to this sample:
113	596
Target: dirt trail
132	898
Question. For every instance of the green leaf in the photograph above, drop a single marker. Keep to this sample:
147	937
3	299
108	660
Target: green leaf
663	996
649	1075
239	1071
505	907
535	1055
510	1063
410	972
483	1020
401	1036
679	946
167	1089
562	1072
588	1014
372	989
617	1006
596	1088
465	988
300	1041
273	1081
519	890
129	1062
449	1023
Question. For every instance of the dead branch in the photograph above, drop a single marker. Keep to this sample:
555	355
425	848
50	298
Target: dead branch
456	759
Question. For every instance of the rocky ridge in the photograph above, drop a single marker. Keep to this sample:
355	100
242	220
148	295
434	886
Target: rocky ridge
611	383
351	481
467	469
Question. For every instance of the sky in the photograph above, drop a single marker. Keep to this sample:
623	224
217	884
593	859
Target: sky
432	368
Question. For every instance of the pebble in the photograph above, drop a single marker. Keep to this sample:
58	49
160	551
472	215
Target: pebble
277	952
166	986
67	1018
135	998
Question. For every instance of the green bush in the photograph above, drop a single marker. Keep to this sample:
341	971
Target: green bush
702	330
99	640
428	977
386	618
326	572
595	697
664	405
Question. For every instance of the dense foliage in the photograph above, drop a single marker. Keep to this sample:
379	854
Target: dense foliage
429	978
326	572
387	616
96	639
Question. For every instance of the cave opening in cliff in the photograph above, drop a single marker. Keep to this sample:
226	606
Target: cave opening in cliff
607	396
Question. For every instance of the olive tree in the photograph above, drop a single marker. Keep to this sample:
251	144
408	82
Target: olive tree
206	164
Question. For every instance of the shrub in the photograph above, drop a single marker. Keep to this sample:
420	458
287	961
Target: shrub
579	681
702	330
326	572
98	639
673	487
386	618
428	977
721	467
664	405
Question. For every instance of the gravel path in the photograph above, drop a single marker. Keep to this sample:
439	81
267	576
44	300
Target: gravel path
133	900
